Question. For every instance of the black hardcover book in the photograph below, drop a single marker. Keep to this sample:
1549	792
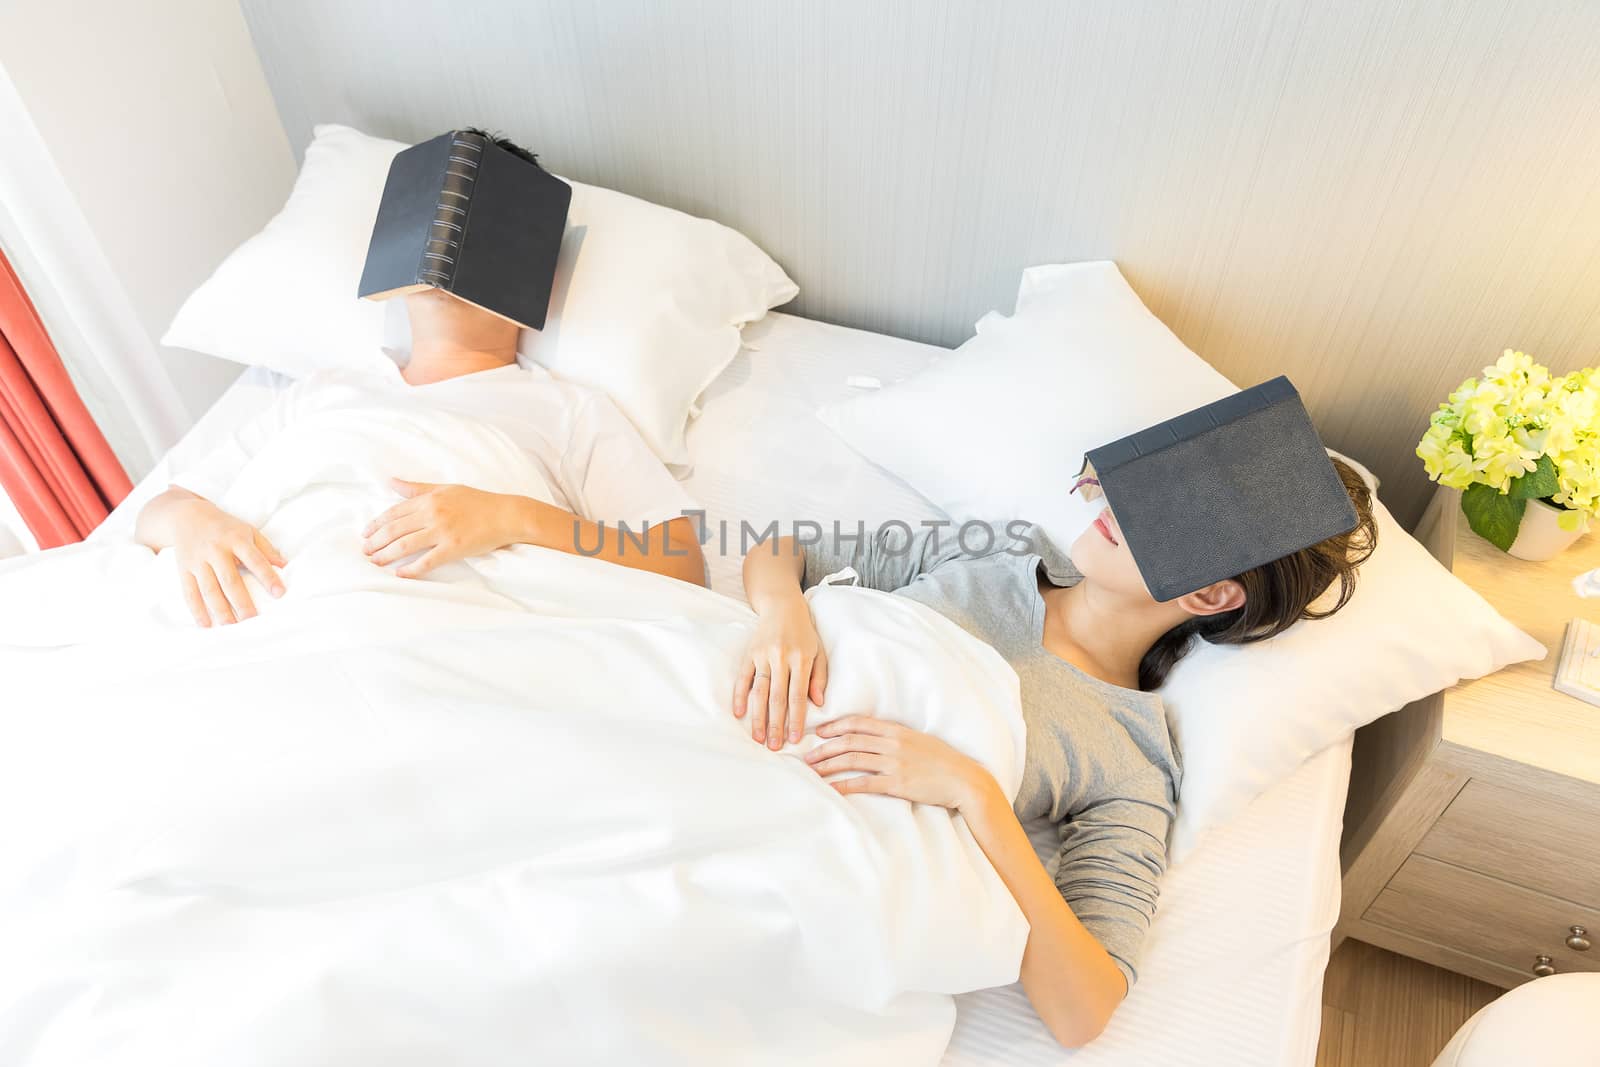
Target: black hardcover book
1222	489
462	214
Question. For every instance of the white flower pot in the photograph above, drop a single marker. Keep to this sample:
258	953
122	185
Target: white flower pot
1539	537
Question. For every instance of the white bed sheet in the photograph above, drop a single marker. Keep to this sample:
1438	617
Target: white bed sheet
1232	973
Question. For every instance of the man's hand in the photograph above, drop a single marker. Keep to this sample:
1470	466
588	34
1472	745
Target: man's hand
445	523
210	546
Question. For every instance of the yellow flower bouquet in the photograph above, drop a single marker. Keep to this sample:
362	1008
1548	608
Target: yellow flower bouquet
1518	434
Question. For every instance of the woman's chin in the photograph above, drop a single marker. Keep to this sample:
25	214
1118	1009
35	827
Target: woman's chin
1087	550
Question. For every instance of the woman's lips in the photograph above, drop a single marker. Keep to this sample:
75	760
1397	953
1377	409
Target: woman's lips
1105	531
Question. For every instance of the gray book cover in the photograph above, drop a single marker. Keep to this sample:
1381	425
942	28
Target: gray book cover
462	214
1221	489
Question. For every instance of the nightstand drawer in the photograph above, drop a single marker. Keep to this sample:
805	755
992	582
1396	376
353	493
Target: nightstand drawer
1481	916
1543	845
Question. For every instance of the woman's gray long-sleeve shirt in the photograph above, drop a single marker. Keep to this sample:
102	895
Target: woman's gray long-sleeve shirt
1100	762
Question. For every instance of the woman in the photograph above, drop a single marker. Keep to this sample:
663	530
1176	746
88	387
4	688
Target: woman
1089	644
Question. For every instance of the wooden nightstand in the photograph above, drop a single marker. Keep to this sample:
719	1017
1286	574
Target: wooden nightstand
1472	829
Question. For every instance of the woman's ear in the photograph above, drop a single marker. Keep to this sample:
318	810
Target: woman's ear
1214	599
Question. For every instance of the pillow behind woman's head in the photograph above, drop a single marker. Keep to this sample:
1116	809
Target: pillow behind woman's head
999	429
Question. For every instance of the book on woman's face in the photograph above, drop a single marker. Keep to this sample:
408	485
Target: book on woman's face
1222	489
461	214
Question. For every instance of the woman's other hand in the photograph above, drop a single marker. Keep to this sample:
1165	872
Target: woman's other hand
210	547
900	762
443	522
784	666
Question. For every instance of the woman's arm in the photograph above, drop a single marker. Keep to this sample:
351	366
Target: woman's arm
450	522
772	578
1069	977
785	664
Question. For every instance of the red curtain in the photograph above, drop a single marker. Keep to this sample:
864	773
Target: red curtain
55	464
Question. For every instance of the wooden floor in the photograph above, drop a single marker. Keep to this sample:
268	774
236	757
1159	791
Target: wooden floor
1384	1010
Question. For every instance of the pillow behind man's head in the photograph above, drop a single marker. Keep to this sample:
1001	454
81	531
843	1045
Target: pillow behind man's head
646	306
286	298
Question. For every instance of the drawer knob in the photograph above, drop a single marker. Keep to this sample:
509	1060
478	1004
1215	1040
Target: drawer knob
1543	967
1578	939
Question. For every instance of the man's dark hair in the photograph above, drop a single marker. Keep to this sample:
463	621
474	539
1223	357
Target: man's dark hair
504	142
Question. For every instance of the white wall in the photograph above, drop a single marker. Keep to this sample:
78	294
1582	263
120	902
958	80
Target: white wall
158	118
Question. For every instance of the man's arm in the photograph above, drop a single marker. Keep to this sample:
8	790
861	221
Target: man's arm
668	548
160	519
211	546
450	522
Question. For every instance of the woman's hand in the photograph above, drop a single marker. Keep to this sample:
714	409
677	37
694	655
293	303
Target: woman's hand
784	666
900	762
445	523
210	546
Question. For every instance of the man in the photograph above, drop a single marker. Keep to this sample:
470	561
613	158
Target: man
463	360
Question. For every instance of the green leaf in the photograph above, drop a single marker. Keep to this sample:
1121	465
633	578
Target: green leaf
1493	515
1537	483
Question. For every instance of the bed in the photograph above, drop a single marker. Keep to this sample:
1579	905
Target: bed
1233	968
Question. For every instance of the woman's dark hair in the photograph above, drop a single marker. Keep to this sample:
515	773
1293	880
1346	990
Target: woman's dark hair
509	145
1277	594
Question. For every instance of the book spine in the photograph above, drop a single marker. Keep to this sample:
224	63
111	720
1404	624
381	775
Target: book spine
448	229
1191	424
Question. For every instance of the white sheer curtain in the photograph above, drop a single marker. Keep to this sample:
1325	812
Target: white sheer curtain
14	536
109	355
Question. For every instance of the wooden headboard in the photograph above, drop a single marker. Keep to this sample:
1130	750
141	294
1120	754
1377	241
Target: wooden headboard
1373	198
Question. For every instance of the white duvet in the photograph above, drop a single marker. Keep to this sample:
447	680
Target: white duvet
501	816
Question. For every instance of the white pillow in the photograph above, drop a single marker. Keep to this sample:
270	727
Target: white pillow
286	298
998	431
647	307
1245	716
999	428
647	303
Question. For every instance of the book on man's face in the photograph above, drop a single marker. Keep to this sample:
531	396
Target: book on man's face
462	214
1222	489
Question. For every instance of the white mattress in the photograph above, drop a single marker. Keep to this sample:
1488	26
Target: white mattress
1232	973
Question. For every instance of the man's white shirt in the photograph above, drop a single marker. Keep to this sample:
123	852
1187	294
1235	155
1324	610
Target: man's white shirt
592	459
